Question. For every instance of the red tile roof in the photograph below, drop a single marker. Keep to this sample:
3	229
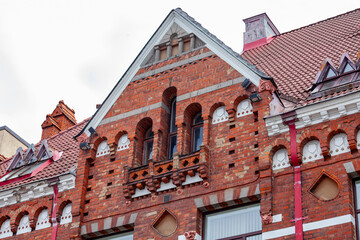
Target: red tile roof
294	58
62	142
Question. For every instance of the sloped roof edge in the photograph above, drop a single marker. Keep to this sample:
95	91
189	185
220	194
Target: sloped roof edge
188	24
15	135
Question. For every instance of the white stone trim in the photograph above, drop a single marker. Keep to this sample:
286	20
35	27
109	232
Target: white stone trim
317	113
103	149
43	220
339	144
312	151
280	159
244	108
123	143
6	229
66	215
24	225
277	218
358	139
309	226
220	115
141	192
190	180
34	190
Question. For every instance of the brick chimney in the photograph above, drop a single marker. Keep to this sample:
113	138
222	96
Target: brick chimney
259	30
60	119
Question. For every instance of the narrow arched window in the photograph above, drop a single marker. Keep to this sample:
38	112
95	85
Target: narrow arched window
197	132
172	130
148	145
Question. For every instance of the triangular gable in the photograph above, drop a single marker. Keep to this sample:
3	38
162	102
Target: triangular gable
15	160
346	64
189	25
327	70
30	155
44	151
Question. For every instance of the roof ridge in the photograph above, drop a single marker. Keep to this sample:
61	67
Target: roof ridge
321	21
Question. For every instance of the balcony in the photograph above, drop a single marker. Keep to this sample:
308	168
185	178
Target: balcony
160	176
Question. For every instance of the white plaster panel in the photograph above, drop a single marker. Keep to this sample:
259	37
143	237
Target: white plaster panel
194	179
339	144
43	220
103	149
244	108
24	225
123	143
141	192
66	216
358	139
220	115
312	151
281	159
166	186
6	229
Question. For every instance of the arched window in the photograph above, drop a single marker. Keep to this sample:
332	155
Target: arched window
66	216
172	130
148	145
197	132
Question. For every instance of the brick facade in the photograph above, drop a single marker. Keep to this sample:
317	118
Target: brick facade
116	191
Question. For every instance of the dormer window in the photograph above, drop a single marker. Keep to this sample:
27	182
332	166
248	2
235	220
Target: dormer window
331	79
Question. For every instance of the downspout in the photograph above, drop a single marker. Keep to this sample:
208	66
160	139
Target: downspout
55	225
289	119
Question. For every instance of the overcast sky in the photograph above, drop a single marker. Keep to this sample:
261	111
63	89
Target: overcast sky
76	51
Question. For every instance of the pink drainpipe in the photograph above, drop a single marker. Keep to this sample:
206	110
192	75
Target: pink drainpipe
53	215
289	119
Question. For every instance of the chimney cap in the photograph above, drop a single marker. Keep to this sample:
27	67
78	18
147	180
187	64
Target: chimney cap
259	17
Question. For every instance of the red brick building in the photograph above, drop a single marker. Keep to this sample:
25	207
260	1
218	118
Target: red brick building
196	141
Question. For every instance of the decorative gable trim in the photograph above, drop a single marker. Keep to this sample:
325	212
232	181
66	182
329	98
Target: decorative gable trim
16	159
44	151
189	25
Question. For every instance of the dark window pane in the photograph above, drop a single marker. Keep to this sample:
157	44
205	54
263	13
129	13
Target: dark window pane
173	127
173	146
148	151
198	138
198	119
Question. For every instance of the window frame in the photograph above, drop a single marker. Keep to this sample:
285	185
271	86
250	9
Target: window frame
237	237
194	127
148	138
172	132
356	210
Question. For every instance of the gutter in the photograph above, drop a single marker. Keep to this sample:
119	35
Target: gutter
289	119
55	225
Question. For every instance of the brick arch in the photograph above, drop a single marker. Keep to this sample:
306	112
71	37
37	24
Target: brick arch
214	107
97	142
36	215
17	220
61	208
168	94
119	135
3	219
142	126
304	139
238	100
189	114
333	133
